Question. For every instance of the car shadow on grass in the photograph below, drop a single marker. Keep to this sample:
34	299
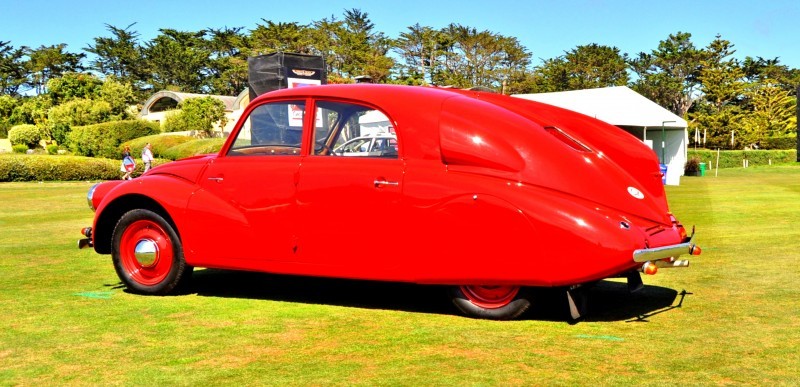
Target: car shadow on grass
608	301
321	291
611	301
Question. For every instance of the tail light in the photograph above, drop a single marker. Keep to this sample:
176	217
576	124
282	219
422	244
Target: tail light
649	268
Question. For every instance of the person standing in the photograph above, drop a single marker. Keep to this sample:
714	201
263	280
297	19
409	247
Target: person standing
147	157
128	164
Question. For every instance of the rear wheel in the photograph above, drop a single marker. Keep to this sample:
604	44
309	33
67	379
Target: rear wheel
499	302
147	253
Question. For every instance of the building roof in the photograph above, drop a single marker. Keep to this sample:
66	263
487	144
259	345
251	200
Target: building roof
619	106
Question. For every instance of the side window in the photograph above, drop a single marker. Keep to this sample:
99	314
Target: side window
271	129
344	129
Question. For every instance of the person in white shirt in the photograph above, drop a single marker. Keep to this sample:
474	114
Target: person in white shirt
147	157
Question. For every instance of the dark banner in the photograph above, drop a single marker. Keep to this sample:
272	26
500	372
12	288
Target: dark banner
284	70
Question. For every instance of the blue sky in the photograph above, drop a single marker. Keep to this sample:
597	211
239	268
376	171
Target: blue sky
765	28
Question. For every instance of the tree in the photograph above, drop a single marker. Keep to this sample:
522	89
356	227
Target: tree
327	35
419	49
583	67
73	85
669	75
773	112
716	109
363	51
48	62
284	37
721	77
13	73
227	66
119	96
178	61
770	71
469	58
119	56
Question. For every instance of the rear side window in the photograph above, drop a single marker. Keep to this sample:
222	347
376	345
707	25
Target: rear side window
345	129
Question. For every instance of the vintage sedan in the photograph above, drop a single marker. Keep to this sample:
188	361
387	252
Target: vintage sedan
487	194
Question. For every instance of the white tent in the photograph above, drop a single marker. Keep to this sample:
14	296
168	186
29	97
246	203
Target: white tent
620	106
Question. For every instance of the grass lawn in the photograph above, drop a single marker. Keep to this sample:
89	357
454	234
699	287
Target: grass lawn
730	318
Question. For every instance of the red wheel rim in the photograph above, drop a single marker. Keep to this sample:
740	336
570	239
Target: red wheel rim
490	297
146	252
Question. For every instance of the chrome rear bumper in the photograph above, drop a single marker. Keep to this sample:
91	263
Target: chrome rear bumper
659	255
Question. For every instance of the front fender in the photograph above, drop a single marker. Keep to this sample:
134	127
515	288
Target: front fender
166	195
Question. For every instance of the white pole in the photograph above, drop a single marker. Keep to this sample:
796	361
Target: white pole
716	169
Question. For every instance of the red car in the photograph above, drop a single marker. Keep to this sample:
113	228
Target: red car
488	194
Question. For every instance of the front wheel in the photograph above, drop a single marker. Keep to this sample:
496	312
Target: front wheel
147	253
491	302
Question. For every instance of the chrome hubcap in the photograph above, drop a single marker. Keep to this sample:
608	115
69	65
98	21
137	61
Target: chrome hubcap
146	252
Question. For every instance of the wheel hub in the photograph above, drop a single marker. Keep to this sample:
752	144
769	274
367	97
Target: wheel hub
146	252
490	297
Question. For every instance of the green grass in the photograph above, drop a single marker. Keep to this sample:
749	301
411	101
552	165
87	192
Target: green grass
66	320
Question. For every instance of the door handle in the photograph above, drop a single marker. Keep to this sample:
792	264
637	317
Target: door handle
217	179
382	183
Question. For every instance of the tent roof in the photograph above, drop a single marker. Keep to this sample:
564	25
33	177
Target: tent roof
619	106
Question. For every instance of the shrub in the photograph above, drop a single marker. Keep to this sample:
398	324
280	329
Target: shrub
103	140
52	149
197	114
692	166
19	148
77	112
174	122
15	167
26	134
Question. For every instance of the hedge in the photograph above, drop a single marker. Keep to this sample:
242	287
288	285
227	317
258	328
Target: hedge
192	148
103	140
734	158
17	167
788	142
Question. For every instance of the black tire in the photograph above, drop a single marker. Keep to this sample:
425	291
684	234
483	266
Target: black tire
148	254
491	302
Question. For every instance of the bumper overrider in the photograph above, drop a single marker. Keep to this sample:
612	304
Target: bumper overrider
666	256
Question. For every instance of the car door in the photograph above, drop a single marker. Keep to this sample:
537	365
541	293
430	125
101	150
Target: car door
348	207
246	203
